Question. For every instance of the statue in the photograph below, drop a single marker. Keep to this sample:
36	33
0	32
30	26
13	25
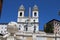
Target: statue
12	29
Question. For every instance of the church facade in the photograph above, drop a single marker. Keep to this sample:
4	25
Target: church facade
29	24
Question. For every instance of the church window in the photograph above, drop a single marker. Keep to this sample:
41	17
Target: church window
35	14
25	28
19	27
20	13
34	28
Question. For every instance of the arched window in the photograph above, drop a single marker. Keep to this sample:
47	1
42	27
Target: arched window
25	28
20	13
35	14
19	27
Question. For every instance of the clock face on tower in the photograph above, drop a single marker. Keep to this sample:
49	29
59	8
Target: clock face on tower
1	1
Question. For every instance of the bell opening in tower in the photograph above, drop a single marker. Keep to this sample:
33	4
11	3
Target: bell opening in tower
20	13
35	14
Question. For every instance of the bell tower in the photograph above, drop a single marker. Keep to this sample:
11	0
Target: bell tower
35	18
20	12
35	11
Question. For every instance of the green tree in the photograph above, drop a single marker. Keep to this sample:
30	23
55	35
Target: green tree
49	28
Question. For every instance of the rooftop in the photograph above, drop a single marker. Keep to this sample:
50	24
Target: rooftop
54	20
21	8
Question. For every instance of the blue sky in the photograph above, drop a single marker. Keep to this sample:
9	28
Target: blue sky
48	10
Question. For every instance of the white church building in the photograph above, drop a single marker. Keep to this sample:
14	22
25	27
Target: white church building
29	23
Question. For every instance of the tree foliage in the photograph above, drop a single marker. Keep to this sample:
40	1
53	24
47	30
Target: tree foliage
49	28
